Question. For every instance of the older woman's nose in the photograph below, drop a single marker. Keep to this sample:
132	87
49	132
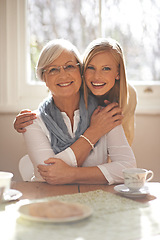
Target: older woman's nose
62	71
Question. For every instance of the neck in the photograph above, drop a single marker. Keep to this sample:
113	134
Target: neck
101	99
68	105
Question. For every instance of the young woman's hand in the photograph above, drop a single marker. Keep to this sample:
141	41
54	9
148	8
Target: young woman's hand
23	119
105	119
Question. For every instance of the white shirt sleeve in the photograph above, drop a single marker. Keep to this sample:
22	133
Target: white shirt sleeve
121	156
39	149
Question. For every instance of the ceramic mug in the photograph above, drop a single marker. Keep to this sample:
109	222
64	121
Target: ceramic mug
135	178
5	182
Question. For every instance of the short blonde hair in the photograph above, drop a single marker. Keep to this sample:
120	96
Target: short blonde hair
120	89
51	51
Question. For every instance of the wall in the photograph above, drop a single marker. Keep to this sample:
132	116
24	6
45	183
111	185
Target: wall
146	144
12	146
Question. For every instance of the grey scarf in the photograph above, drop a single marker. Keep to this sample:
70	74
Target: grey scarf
52	117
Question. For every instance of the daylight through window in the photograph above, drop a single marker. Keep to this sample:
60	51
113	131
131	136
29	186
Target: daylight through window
135	24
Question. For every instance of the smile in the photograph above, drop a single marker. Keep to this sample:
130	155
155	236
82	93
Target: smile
64	84
97	84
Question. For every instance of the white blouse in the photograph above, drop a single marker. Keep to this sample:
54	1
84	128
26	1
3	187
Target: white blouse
114	144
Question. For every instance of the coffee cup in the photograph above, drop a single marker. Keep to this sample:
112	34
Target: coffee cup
5	182
135	178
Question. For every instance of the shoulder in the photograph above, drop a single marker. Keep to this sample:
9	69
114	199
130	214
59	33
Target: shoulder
117	129
38	122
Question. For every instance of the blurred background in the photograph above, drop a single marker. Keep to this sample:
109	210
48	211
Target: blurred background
26	26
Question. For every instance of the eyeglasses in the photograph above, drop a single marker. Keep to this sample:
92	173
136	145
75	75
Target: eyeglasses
55	70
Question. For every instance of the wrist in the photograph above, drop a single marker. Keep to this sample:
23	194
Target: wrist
92	135
73	175
77	175
91	144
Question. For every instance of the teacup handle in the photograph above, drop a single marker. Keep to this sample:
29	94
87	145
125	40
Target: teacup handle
152	174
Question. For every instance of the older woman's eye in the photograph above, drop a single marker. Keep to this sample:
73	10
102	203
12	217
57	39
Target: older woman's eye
70	67
53	70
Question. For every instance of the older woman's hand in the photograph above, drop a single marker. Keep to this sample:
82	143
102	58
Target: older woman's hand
56	172
23	119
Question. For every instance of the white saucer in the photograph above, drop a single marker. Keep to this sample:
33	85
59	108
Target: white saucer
125	191
11	195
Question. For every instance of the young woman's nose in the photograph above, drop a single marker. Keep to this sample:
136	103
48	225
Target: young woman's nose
97	74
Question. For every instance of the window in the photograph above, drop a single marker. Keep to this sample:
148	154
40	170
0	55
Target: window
28	25
135	24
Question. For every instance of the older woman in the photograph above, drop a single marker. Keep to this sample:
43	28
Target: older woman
61	135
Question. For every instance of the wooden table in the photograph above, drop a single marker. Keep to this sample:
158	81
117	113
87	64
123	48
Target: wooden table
23	230
36	190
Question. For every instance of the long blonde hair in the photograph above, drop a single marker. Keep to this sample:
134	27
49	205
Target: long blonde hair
120	88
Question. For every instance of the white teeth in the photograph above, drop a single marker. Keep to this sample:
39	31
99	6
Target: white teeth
97	84
64	84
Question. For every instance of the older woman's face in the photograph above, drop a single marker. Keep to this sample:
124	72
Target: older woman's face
101	73
63	76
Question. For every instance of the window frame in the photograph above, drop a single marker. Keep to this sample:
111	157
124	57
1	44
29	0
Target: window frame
15	92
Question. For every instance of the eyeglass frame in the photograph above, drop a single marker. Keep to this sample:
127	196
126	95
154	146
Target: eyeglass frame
59	68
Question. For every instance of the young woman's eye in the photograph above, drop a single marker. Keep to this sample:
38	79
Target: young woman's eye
106	68
90	68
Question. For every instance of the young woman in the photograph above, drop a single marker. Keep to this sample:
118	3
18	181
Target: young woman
104	60
59	136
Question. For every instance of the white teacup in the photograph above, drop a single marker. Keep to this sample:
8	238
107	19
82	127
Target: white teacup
135	178
5	182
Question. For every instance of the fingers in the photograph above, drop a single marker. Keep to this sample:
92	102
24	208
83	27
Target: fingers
106	102
20	125
50	161
21	130
117	118
44	174
112	108
25	111
98	109
45	171
24	119
116	123
43	168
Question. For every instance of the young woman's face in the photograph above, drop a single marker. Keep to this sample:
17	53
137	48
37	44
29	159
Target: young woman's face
63	76
101	73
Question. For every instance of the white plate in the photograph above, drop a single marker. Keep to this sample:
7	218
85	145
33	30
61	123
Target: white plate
122	189
11	195
24	212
